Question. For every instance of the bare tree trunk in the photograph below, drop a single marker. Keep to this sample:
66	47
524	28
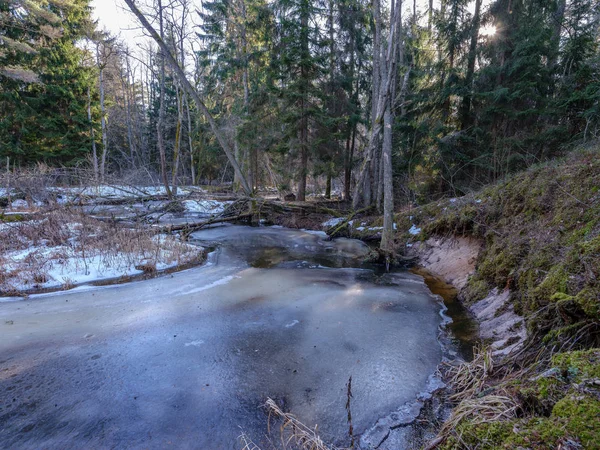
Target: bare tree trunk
126	97
348	171
303	170
380	174
161	111
302	173
190	140
430	16
252	153
382	103
387	235
349	151
93	136
368	183
103	122
236	153
177	148
465	109
191	91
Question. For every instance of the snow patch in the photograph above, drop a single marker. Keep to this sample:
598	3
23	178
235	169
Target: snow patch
333	222
19	204
414	231
205	206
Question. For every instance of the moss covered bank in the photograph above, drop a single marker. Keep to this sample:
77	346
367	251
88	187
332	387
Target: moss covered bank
534	284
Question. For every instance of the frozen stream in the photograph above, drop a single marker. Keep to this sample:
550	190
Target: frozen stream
187	360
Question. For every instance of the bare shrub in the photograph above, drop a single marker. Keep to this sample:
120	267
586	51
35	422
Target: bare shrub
63	241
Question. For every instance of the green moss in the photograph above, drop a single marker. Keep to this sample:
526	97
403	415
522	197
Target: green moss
538	433
574	418
12	218
541	230
476	290
582	364
581	415
589	300
555	283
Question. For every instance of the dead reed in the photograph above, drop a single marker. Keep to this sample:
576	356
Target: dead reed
295	434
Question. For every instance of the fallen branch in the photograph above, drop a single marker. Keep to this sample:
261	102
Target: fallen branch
187	228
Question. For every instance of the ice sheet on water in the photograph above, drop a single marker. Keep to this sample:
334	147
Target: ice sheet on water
344	324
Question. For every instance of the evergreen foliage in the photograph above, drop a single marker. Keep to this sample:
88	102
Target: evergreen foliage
44	81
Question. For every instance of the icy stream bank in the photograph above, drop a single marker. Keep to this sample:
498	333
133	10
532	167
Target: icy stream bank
188	359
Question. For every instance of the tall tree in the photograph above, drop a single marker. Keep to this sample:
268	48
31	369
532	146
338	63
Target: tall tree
187	86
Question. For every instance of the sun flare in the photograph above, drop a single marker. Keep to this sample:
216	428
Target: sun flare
488	30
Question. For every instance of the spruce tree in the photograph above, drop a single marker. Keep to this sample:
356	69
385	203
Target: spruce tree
46	114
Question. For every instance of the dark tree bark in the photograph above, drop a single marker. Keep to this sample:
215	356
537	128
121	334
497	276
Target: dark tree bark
465	109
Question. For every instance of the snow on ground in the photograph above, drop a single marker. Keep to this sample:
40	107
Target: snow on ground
116	192
333	222
19	204
63	266
205	206
414	231
61	250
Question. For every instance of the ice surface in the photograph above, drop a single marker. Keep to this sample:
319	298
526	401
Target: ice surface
187	360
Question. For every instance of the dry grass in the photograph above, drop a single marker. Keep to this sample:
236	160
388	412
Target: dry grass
490	408
247	443
294	434
476	404
469	378
64	238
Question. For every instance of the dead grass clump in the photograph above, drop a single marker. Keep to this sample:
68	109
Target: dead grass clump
294	434
146	268
469	378
470	381
247	443
487	409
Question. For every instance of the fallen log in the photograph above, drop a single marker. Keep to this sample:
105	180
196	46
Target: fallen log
188	228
